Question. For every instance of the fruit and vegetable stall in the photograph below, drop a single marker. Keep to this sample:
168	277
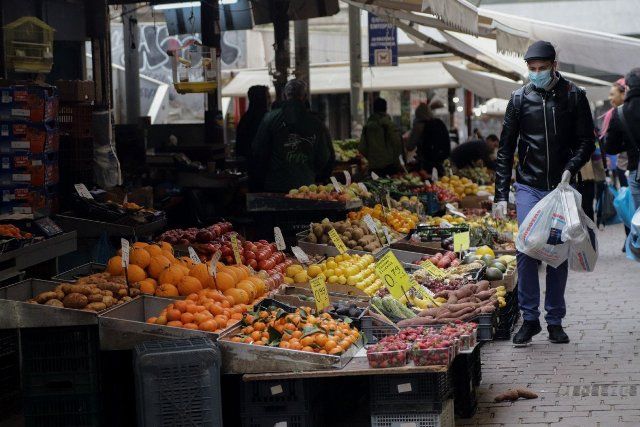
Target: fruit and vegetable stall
385	290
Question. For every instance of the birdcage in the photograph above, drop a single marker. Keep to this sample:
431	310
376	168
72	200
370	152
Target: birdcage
28	44
194	68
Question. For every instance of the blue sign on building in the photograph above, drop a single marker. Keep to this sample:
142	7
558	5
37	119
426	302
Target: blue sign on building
383	42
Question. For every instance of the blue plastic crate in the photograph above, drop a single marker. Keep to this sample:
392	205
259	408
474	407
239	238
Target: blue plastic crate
178	383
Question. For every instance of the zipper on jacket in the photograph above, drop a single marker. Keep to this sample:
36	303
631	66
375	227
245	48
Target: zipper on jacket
546	135
555	129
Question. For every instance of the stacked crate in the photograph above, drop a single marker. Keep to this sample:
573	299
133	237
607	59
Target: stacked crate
60	376
29	142
466	371
9	374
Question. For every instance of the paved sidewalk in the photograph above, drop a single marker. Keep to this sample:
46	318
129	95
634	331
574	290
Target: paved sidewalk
594	380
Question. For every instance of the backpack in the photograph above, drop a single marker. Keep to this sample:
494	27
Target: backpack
518	94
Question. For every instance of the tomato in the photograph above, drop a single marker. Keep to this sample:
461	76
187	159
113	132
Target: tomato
250	254
253	263
262	255
262	264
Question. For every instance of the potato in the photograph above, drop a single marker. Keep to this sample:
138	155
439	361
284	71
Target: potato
324	239
108	301
76	289
54	303
357	234
134	292
122	292
312	238
96	306
75	300
95	298
352	244
46	296
107	293
358	248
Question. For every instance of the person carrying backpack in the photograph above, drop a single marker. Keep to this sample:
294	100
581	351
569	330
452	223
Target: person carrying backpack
291	148
549	123
380	141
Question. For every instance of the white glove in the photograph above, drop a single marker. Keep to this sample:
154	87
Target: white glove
499	210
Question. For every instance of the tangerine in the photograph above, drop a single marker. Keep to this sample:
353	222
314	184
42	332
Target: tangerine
114	266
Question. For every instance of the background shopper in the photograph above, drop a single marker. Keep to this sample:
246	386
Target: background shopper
380	142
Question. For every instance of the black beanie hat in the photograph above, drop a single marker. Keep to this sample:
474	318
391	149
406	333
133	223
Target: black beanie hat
540	50
632	79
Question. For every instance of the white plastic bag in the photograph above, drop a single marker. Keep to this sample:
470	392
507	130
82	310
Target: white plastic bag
583	252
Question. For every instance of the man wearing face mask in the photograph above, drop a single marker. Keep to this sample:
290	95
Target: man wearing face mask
549	123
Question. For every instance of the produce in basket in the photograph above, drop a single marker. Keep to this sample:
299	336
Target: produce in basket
387	354
354	233
328	192
300	330
10	230
96	292
399	220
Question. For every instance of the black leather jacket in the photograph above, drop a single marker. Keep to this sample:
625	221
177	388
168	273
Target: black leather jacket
552	131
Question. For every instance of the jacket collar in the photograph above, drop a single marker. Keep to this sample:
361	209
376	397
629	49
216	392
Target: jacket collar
632	93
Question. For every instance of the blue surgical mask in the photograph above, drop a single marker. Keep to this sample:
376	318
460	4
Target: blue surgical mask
540	79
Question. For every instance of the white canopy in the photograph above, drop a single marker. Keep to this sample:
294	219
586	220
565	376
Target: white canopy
335	79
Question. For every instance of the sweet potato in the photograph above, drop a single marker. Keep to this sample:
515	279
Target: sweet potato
457	314
76	289
526	394
464	292
452	299
485	294
486	309
429	312
510	395
483	285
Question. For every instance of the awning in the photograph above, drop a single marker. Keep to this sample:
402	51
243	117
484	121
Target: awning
335	79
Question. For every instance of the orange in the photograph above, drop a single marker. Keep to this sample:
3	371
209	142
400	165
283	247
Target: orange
181	305
202	316
135	273
200	272
174	314
259	285
167	290
172	275
152	320
241	271
208	325
187	262
175	323
239	296
189	285
248	287
153	249
169	255
139	245
147	287
232	272
187	317
139	257
161	320
166	247
157	265
114	266
225	281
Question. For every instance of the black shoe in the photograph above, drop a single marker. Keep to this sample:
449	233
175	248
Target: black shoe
528	329
557	334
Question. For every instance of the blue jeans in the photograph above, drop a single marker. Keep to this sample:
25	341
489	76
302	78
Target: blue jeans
634	187
528	283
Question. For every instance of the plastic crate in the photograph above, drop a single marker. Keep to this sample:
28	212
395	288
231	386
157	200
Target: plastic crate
279	420
9	373
375	330
485	332
60	360
75	119
277	397
466	376
443	418
62	410
8	342
412	393
178	383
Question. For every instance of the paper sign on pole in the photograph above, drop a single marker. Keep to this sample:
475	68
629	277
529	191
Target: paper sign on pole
454	211
371	224
461	241
124	245
336	184
213	268
279	238
300	255
433	270
374	176
347	177
82	191
320	293
434	174
386	234
193	255
236	249
337	241
390	271
363	187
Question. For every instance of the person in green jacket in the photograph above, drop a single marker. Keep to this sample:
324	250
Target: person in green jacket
380	141
291	147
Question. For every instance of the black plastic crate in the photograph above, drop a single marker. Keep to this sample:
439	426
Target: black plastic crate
440	418
412	393
485	332
466	372
118	389
62	410
178	383
374	330
283	419
8	342
277	397
60	360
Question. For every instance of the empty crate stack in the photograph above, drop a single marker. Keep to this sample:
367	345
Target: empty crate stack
9	374
178	383
29	143
75	119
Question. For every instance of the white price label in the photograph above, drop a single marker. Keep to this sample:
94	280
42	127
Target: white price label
213	269
279	238
454	211
386	234
363	187
374	176
371	224
336	184
193	255
276	389
347	177
427	183
434	174
300	254
83	191
404	388
124	245
401	160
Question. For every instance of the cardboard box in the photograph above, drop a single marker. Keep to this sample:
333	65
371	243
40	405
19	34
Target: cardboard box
471	202
28	137
29	200
29	103
37	175
76	90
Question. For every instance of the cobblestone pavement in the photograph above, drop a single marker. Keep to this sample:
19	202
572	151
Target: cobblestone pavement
594	380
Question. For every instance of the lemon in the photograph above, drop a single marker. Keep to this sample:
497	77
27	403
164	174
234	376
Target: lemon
313	270
301	277
292	270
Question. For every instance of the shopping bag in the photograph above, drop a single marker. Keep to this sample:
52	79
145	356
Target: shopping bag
633	239
583	251
623	203
605	208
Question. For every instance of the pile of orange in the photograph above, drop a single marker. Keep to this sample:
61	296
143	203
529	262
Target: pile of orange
400	220
298	331
206	310
157	272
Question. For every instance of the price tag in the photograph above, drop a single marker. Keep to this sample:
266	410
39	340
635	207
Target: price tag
347	177
320	293
386	234
193	255
83	191
454	211
279	238
213	266
425	292
433	270
300	255
390	271
434	174
374	176
363	187
389	201
371	224
336	184
461	241
337	241
402	163
124	245
236	249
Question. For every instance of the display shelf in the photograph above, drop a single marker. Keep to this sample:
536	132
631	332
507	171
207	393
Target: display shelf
276	202
87	228
15	261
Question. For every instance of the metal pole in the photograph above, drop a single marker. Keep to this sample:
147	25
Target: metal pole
210	28
355	68
301	35
281	45
131	63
